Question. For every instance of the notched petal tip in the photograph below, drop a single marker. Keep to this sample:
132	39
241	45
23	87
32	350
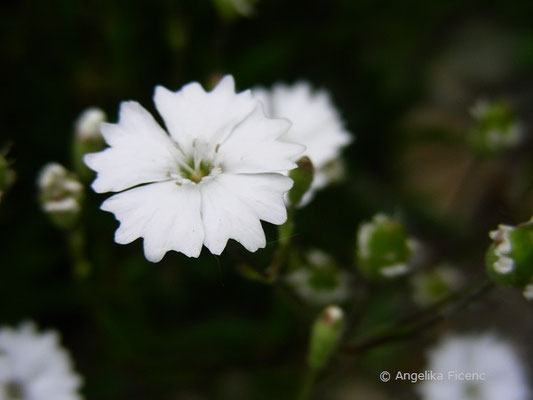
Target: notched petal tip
129	106
298	150
156	255
256	246
152	255
161	92
227	83
88	160
288	182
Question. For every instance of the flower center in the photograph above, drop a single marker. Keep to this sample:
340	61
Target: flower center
199	162
196	171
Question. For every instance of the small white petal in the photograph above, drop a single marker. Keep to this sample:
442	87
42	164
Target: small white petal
192	113
165	214
226	216
140	152
254	146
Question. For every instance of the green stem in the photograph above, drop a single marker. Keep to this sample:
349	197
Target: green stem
270	274
76	243
423	320
307	384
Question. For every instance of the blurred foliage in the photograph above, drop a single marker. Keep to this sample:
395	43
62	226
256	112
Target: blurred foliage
403	75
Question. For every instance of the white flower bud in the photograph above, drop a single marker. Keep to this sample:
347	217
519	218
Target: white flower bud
60	194
87	139
325	335
87	126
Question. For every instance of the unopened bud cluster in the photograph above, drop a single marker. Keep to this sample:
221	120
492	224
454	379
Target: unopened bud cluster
384	249
60	195
509	258
496	128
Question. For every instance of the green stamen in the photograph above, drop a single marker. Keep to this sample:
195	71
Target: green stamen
196	173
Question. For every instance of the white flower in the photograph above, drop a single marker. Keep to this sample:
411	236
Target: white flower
34	366
315	124
496	371
87	126
214	178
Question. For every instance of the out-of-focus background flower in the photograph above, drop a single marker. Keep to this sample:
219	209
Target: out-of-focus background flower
406	76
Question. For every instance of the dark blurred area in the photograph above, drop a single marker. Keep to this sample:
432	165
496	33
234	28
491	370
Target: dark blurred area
403	74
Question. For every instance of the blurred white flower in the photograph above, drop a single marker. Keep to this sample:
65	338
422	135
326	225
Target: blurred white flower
315	124
496	371
34	366
87	126
320	281
214	178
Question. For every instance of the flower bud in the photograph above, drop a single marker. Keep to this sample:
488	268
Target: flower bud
87	138
319	281
509	258
303	178
325	335
60	195
496	128
384	250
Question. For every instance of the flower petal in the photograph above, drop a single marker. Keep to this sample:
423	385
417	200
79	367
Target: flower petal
254	147
227	216
166	215
316	122
140	152
192	113
262	193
